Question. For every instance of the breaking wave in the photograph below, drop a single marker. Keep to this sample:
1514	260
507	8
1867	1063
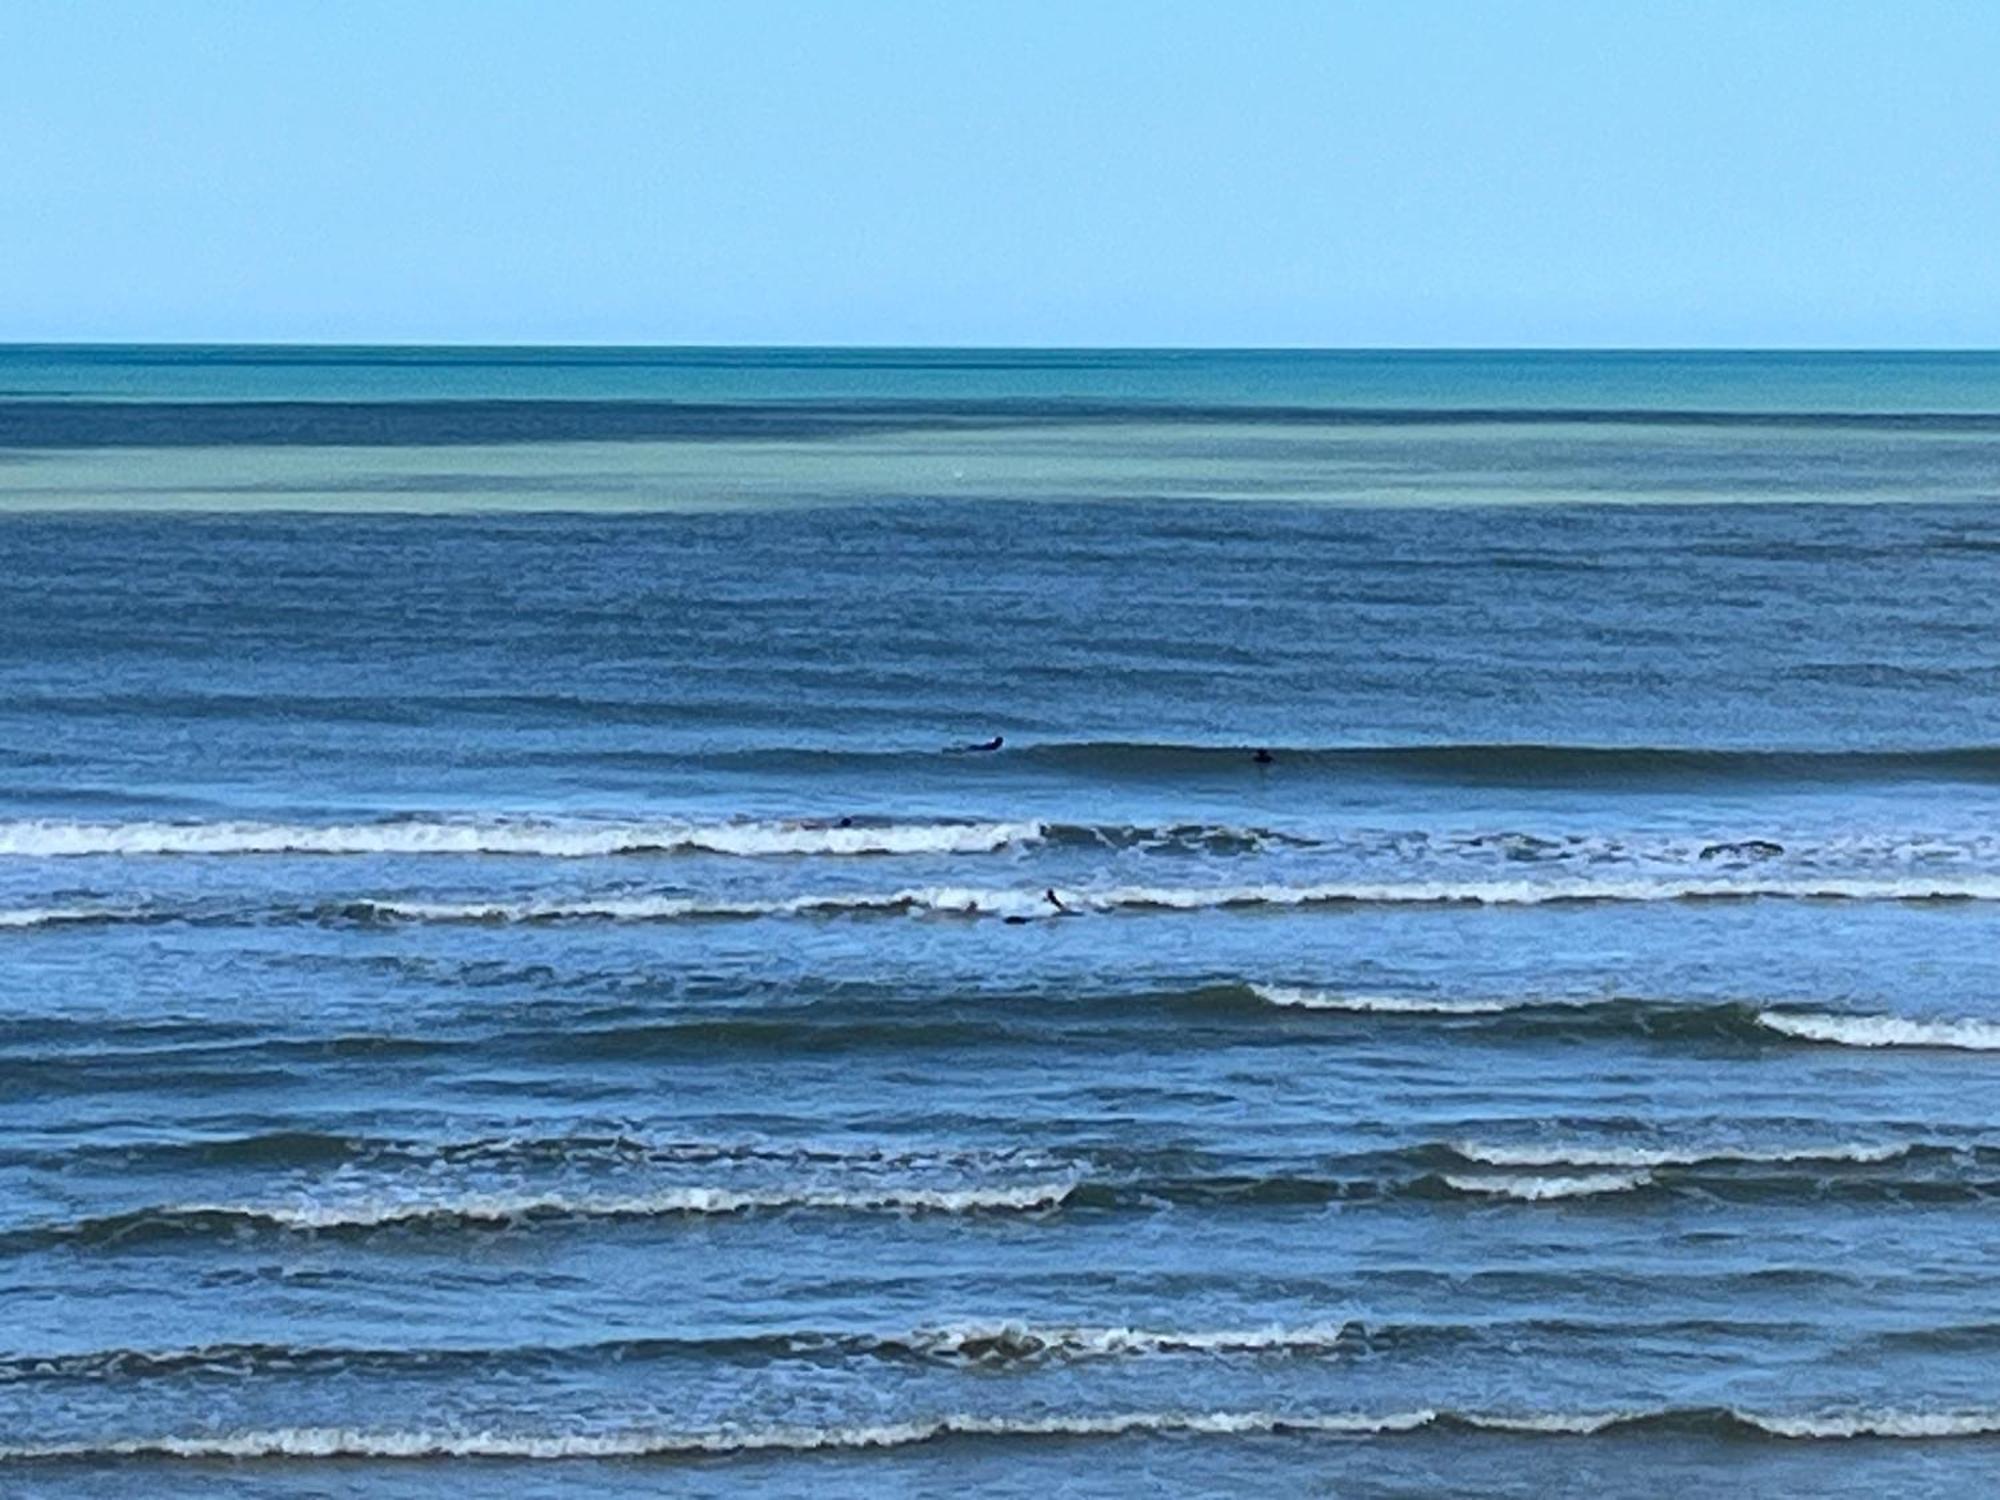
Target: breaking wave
1884	1031
46	838
1415	1175
1035	905
516	1209
60	916
1645	1158
608	1147
1662	1020
1542	1189
420	1443
956	1345
1053	903
560	838
1028	1343
989	1344
1392	1005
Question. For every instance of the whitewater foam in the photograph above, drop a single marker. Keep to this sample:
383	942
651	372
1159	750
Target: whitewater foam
1012	1342
56	916
944	900
413	1444
1032	904
1879	1424
333	1442
549	839
1587	1154
1405	1005
1853	1030
514	1208
1884	1031
1543	1189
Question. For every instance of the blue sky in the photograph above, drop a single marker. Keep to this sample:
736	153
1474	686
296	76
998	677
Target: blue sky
1758	172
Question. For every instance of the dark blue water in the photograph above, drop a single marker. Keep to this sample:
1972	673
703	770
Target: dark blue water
506	984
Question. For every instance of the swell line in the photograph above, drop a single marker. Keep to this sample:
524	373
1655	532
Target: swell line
423	1443
965	1344
1417	1177
57	839
1058	902
500	1210
1467	762
1664	1020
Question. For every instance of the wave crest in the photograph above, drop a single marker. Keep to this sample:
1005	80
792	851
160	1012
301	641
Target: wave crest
1033	904
1029	1343
335	1442
1644	1158
1394	1005
59	916
547	839
1544	1189
1968	1035
1661	1019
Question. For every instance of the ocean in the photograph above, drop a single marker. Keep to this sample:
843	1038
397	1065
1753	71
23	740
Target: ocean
1471	970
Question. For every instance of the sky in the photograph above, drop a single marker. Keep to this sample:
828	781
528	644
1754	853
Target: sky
1505	173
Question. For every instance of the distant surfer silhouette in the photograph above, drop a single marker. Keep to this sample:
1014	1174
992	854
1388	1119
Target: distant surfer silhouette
993	744
1263	757
1050	896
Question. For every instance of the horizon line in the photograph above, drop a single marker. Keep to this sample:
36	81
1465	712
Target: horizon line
11	345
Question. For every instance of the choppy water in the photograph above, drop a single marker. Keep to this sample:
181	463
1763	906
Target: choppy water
526	1002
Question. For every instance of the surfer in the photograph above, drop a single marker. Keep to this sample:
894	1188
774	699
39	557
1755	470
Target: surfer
1051	898
1263	757
980	749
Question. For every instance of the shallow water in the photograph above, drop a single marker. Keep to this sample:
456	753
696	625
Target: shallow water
530	1002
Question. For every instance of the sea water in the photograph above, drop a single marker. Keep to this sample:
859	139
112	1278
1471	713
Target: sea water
1472	970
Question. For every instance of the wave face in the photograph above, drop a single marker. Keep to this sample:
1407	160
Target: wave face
1507	762
1603	768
